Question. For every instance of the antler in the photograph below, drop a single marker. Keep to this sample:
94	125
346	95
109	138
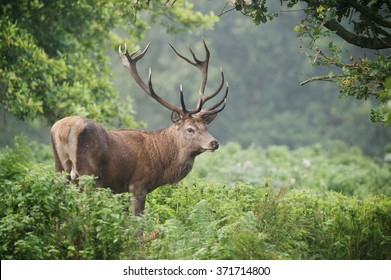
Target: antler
130	61
202	65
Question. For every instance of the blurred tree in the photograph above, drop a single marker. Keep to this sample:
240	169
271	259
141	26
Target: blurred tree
266	104
54	53
362	23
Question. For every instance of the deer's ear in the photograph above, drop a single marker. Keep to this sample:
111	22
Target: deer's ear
175	116
209	118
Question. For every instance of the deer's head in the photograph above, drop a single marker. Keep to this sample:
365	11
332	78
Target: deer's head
190	124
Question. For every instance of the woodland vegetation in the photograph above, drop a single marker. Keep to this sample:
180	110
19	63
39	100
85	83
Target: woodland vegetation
304	170
311	203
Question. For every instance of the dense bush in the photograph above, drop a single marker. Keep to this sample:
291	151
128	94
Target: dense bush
253	222
41	217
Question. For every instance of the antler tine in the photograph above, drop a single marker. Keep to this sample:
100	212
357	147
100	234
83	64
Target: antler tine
158	98
203	99
212	110
182	100
196	61
202	65
223	100
206	98
130	61
130	58
182	56
219	110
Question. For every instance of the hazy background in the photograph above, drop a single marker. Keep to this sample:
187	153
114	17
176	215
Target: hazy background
264	67
266	104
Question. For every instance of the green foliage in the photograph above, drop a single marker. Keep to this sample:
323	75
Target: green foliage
327	201
333	226
180	16
360	23
54	59
333	166
266	104
243	221
42	217
383	112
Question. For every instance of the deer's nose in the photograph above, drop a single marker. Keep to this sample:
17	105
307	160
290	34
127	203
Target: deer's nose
214	144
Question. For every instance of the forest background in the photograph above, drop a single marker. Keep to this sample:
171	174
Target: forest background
303	171
263	64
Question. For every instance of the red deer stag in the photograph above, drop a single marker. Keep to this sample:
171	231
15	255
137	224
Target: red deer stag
139	161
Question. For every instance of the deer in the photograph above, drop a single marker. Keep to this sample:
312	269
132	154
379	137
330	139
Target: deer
135	160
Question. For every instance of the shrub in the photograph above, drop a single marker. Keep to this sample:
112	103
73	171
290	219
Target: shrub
42	217
254	222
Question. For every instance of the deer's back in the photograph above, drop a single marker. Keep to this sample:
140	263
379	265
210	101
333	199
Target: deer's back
123	159
84	147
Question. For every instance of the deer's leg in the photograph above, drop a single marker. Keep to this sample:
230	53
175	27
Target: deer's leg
138	203
62	166
57	162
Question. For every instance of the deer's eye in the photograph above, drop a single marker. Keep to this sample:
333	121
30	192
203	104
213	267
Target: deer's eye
190	130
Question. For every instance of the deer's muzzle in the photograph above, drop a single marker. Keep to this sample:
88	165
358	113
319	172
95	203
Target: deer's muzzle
214	145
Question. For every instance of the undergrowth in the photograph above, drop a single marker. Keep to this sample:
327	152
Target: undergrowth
322	167
42	217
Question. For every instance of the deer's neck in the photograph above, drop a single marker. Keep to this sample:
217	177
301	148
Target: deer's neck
175	159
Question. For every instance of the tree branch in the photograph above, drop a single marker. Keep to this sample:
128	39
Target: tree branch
326	78
361	41
365	11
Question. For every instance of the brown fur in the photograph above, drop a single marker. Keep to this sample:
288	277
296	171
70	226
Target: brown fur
124	160
139	161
